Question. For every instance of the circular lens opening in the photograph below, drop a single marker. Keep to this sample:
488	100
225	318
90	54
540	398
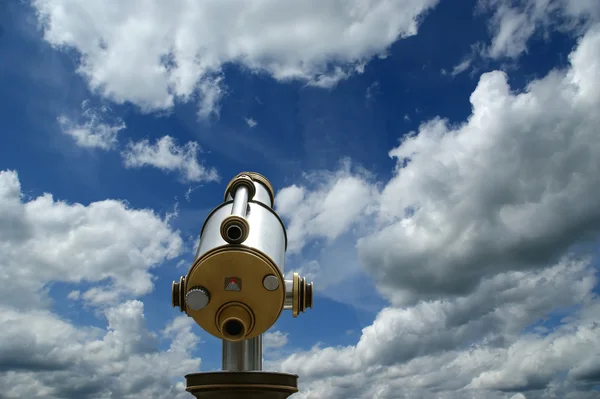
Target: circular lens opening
234	232
233	328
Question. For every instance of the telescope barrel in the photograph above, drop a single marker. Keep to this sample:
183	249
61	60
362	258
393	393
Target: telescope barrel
240	202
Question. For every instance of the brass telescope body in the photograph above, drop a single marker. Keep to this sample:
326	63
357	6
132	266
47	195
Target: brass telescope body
236	289
254	306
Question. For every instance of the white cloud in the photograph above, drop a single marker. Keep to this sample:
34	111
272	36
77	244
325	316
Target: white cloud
274	340
331	79
496	192
513	29
251	122
211	90
467	347
462	242
104	243
513	24
154	53
467	201
335	202
468	239
459	68
46	356
74	295
372	90
166	155
96	131
190	190
311	271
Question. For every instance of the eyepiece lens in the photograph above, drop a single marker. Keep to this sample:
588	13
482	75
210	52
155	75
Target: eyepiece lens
233	328
234	232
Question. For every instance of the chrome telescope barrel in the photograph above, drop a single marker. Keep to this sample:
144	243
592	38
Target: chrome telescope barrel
235	289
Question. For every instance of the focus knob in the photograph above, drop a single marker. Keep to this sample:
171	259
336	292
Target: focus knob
197	298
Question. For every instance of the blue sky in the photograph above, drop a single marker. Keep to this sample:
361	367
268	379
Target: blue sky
435	164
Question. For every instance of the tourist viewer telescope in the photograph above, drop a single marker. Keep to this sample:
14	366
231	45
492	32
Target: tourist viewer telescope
236	290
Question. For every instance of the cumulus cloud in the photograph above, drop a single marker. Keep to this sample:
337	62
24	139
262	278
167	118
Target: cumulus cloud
466	201
468	239
97	131
476	240
104	243
333	203
496	192
43	355
110	248
167	155
154	53
467	347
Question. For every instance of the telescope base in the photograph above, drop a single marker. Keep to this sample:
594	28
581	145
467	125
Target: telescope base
241	384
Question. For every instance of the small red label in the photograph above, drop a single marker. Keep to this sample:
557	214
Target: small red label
233	284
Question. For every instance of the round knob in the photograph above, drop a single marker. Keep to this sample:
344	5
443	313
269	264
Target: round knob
271	282
197	298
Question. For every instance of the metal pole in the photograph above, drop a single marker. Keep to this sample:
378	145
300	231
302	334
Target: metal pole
243	355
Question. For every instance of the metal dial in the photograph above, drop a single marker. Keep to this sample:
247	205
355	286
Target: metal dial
197	298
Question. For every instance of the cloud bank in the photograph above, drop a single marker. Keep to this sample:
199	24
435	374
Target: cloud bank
155	53
479	242
110	248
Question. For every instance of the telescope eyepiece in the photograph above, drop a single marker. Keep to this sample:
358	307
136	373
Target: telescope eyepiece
233	328
234	232
235	229
235	321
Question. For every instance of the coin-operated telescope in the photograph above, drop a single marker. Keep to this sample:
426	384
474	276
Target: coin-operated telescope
236	290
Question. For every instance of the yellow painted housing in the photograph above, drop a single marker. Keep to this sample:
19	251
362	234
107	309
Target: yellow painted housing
253	306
